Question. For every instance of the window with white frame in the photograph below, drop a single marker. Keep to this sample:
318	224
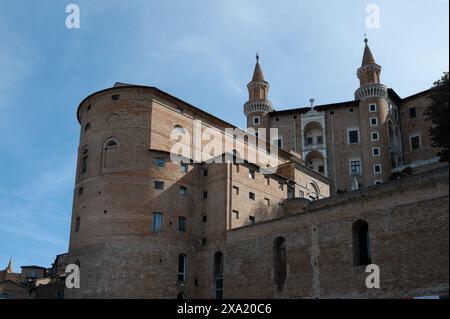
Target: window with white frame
355	167
377	169
256	120
415	142
376	152
374	121
353	136
372	108
375	136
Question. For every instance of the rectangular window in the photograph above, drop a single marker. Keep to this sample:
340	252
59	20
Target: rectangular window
235	214
115	97
353	136
251	174
376	151
77	224
205	172
182	223
160	162
252	196
205	195
236	190
309	141
280	143
375	136
256	120
321	169
267	180
377	168
159	185
355	167
267	201
252	219
301	194
183	191
204	241
184	168
319	139
373	121
372	108
415	142
204	218
157	222
412	113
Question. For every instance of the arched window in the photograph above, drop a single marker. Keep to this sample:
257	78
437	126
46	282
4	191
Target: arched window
279	263
179	129
361	243
110	154
84	161
218	275
182	268
87	127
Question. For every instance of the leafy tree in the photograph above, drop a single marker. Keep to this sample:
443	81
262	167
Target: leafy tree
437	113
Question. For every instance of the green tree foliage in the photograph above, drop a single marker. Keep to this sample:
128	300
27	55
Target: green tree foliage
437	113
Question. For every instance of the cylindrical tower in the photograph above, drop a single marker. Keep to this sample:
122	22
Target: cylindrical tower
125	232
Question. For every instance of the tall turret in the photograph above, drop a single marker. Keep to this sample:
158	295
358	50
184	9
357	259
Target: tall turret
258	106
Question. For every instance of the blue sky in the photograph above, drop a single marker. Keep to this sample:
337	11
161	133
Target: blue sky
201	51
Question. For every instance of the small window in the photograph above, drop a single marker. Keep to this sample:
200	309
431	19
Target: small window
375	136
80	191
235	214
251	174
182	268
236	190
252	196
321	169
319	139
184	167
77	224
84	162
331	112
204	218
353	137
157	222
376	151
205	195
87	127
160	162
373	121
350	110
182	223
361	243
180	109
378	182
159	185
309	141
412	113
115	97
256	120
267	180
205	172
372	108
279	143
267	201
301	194
355	167
183	191
277	119
204	241
415	142
377	168
252	219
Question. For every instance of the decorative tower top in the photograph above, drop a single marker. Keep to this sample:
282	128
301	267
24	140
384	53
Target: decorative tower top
258	92
9	268
369	76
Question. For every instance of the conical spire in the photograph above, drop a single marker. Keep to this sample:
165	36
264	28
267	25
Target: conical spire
258	73
367	56
9	269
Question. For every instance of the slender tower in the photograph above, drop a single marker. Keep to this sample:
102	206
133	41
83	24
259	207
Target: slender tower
258	106
374	115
